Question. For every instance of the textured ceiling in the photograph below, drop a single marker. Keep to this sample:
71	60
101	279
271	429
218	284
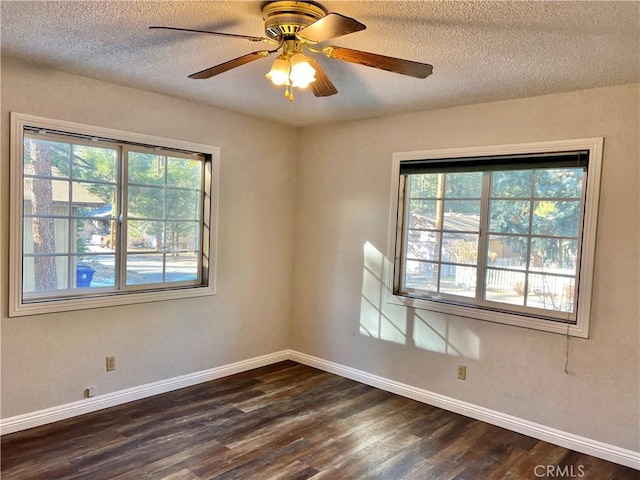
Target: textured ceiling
481	51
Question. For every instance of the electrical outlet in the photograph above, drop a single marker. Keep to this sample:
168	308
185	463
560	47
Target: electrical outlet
462	372
111	364
90	392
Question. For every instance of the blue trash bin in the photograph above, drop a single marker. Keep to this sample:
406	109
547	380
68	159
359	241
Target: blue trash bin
84	275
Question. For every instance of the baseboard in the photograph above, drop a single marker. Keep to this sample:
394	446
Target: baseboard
580	444
99	402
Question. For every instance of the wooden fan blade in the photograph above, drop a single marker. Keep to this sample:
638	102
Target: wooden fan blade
322	87
220	34
391	64
236	62
330	26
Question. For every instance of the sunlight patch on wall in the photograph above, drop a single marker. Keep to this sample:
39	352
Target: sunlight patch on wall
382	320
379	319
439	333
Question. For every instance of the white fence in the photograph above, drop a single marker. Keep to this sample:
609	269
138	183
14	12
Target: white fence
509	281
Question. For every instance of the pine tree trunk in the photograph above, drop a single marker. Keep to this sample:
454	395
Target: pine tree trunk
44	235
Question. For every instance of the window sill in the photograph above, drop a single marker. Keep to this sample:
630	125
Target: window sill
575	330
86	303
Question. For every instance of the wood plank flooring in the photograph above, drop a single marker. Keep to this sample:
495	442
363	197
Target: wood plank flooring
286	421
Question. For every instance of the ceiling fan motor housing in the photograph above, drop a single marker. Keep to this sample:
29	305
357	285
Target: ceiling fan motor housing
283	19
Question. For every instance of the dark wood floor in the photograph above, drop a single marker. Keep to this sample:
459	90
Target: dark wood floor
285	421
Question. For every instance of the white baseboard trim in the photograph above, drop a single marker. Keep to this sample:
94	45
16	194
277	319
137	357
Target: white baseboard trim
99	402
580	444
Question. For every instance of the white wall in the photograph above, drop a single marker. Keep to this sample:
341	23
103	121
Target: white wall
343	189
48	360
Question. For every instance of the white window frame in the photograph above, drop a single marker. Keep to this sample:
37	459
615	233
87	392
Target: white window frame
18	307
580	328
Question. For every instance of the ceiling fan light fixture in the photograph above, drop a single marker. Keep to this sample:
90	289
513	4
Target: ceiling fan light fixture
293	25
279	73
302	73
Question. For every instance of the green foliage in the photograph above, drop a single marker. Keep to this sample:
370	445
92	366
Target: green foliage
427	189
81	162
545	202
96	164
424	186
463	185
464	251
553	211
165	197
163	192
511	184
81	245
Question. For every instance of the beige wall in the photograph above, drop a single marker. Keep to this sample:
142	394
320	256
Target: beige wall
48	360
343	188
318	207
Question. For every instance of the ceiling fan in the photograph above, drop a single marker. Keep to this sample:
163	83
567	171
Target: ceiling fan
292	27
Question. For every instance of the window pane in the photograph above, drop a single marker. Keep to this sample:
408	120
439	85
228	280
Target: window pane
182	267
564	182
466	184
28	275
421	275
504	286
94	163
46	158
144	269
183	204
457	280
96	271
554	255
43	196
184	173
422	213
511	184
146	168
181	237
162	268
45	235
551	292
509	216
45	273
556	218
507	251
424	185
460	248
144	235
84	272
80	242
146	202
462	215
423	245
88	204
83	195
99	234
51	273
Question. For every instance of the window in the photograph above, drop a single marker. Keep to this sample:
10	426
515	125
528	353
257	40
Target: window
107	217
504	234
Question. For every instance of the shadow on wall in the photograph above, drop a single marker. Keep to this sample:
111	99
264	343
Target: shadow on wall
382	320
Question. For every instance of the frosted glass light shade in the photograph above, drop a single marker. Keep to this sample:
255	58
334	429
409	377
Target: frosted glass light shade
302	73
279	73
